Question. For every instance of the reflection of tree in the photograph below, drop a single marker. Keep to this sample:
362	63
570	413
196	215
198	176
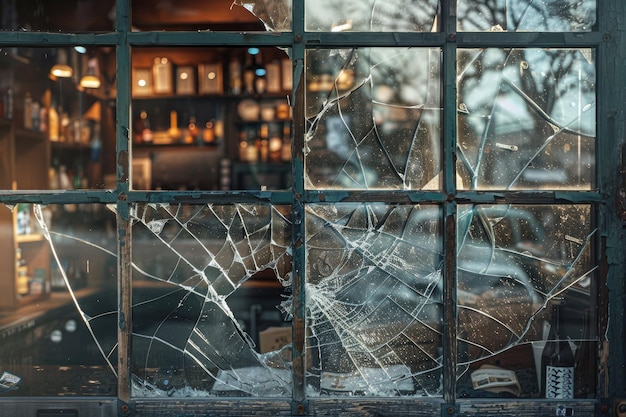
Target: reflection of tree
526	15
525	108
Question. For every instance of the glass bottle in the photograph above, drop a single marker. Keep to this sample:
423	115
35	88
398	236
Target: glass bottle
263	143
275	144
248	75
557	362
285	152
234	75
146	131
28	107
8	103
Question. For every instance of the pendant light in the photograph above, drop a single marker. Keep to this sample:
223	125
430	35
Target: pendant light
61	69
90	79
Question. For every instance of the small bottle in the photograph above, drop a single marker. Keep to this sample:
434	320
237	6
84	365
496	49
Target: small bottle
557	362
285	152
53	124
194	132
248	75
35	114
275	144
146	131
208	134
234	75
263	146
8	103
28	107
260	80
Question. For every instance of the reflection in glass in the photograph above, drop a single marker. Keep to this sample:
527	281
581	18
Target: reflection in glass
67	16
53	129
373	118
208	283
59	337
373	299
515	264
525	15
526	119
372	15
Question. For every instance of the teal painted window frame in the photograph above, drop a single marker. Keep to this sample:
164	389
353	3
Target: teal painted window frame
607	40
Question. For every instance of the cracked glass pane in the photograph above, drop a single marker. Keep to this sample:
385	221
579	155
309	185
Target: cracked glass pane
526	15
372	15
516	263
211	301
373	299
275	14
526	119
370	123
59	301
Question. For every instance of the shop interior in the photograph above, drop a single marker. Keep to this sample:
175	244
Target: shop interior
202	118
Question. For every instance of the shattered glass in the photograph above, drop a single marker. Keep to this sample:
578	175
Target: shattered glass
206	280
514	262
371	124
211	283
372	15
526	119
526	15
60	339
374	299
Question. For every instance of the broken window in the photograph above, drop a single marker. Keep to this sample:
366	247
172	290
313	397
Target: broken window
213	284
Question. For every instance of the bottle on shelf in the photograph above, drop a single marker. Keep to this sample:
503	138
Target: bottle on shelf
193	133
146	131
262	143
260	79
22	273
53	124
248	75
275	143
8	103
557	361
208	134
285	152
174	132
28	105
234	75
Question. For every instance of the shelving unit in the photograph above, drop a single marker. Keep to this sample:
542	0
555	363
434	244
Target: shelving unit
26	264
169	105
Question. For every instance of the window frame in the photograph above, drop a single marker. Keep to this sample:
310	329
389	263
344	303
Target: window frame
606	200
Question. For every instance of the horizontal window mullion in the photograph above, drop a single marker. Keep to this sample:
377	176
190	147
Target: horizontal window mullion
58	197
527	39
371	39
337	196
529	196
206	197
479	197
210	38
48	39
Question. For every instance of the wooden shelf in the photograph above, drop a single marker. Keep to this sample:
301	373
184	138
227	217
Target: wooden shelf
32	237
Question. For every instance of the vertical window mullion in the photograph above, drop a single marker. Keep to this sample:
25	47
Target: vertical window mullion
123	158
449	342
298	233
